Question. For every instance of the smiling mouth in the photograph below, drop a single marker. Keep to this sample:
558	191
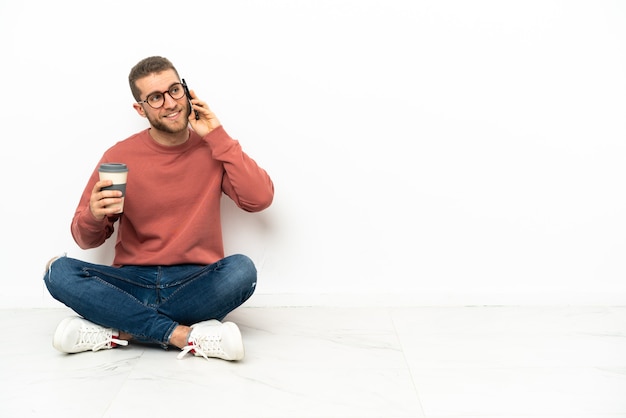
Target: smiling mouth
172	115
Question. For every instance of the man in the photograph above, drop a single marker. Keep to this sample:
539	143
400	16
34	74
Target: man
170	282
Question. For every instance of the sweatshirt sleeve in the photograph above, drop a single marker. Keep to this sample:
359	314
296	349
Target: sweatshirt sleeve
247	184
87	231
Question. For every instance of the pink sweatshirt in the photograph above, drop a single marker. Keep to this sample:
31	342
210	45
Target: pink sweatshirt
172	204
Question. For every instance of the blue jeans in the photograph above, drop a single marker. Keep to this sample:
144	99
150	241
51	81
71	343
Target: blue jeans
148	302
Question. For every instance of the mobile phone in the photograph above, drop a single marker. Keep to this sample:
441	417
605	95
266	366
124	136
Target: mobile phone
189	98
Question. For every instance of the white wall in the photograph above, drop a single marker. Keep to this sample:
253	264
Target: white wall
427	152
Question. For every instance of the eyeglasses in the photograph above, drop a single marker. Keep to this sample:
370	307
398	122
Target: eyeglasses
156	100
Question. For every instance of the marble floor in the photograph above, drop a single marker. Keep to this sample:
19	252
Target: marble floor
501	362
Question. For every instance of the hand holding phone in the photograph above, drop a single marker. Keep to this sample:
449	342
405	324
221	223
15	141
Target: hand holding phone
189	98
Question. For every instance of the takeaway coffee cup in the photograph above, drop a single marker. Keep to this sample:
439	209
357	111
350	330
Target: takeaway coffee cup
118	173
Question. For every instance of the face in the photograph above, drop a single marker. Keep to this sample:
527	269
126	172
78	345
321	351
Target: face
172	116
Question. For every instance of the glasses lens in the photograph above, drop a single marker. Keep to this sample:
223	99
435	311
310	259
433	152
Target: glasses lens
177	91
155	100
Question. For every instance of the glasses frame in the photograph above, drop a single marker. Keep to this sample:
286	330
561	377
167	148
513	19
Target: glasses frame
162	93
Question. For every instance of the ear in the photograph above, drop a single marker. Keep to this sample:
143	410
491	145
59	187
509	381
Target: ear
139	109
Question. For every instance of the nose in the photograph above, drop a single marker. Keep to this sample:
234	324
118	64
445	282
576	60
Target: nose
168	101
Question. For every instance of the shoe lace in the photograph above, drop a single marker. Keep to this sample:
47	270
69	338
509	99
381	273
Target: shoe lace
99	337
205	345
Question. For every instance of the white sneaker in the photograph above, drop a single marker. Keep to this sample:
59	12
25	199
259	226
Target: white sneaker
75	334
215	339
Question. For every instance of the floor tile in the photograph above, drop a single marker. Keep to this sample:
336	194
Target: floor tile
422	362
556	392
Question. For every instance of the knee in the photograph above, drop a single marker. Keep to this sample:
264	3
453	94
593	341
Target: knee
49	263
247	276
53	276
53	260
244	269
244	266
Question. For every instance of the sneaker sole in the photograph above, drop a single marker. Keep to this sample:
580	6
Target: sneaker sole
59	334
231	333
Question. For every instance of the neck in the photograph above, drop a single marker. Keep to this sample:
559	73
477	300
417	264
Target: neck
169	139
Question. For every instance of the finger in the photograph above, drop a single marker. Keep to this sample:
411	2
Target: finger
103	207
100	198
199	105
100	185
107	202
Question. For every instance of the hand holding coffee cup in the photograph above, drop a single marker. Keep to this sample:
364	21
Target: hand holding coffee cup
116	172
